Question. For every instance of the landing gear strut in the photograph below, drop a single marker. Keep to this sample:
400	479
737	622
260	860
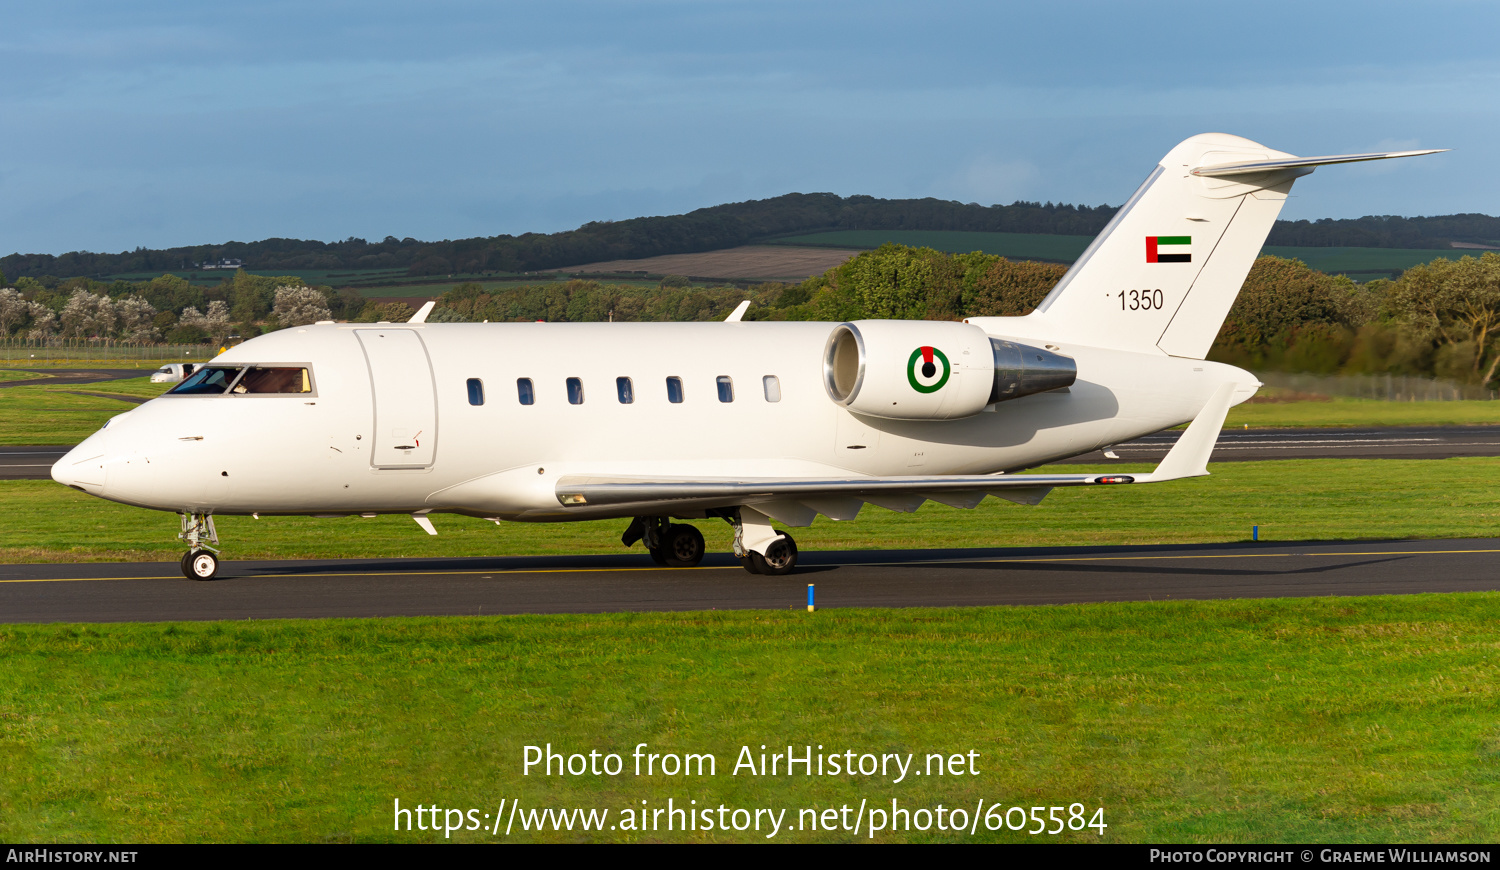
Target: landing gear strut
760	548
201	561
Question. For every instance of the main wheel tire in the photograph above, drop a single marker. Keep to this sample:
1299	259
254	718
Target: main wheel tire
657	556
200	565
780	558
748	563
683	547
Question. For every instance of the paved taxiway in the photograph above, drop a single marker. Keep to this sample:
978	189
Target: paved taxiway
1437	442
60	377
147	592
1257	445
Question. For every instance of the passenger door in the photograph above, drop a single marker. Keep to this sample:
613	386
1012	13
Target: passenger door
405	398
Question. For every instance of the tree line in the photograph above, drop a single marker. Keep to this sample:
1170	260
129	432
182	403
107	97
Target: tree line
714	228
1440	319
167	308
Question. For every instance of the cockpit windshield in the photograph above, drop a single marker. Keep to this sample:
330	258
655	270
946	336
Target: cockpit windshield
207	381
246	380
274	379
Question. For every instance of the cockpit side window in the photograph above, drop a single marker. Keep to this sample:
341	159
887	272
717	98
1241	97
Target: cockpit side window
274	379
207	381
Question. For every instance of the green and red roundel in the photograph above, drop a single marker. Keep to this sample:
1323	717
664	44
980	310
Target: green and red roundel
927	370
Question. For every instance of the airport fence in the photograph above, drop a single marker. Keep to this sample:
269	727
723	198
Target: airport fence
1386	388
18	352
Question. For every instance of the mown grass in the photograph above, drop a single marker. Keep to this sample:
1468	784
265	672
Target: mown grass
1362	412
1337	720
1330	499
41	414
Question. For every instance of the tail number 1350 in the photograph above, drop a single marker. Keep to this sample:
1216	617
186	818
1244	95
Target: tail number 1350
1140	300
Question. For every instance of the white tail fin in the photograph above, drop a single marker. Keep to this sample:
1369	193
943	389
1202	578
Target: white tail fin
1163	273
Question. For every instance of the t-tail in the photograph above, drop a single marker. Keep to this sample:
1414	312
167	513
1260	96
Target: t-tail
1162	275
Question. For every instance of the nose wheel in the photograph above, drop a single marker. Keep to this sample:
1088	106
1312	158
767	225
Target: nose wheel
201	562
200	565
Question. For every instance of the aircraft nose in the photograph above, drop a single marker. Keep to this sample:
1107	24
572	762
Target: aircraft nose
83	466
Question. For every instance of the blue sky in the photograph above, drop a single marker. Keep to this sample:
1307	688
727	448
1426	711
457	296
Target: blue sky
169	123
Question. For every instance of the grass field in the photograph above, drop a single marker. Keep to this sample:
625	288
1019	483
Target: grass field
1328	499
370	282
55	414
1362	412
1361	263
1017	246
1352	720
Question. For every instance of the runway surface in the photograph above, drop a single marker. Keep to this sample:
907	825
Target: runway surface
149	592
1235	445
29	463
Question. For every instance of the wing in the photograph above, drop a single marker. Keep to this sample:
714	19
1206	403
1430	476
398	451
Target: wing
796	501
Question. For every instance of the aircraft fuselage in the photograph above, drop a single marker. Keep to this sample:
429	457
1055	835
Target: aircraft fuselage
391	422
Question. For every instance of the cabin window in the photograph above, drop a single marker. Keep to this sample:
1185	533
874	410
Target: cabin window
575	391
625	389
273	379
726	388
476	391
773	388
210	381
525	392
674	390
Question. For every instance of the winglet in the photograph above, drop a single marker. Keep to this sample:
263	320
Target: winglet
1189	456
738	312
426	309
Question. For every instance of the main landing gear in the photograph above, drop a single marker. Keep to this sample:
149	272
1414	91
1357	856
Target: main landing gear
673	545
201	562
759	548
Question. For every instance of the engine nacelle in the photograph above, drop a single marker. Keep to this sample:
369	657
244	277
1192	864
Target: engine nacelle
933	370
909	370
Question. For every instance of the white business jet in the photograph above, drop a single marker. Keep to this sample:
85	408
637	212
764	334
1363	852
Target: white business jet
748	422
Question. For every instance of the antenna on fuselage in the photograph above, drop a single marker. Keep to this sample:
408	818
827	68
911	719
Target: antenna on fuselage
426	309
738	312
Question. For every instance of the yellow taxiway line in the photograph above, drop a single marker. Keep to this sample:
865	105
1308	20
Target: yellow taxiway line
1017	560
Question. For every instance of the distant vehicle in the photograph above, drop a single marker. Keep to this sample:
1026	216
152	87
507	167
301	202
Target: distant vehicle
747	423
173	373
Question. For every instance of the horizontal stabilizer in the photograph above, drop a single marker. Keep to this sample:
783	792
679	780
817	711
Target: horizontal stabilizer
1256	166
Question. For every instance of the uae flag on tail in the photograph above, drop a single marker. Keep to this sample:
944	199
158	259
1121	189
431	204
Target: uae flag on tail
1168	249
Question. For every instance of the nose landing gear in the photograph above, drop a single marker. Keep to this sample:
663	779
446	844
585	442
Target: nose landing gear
201	562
